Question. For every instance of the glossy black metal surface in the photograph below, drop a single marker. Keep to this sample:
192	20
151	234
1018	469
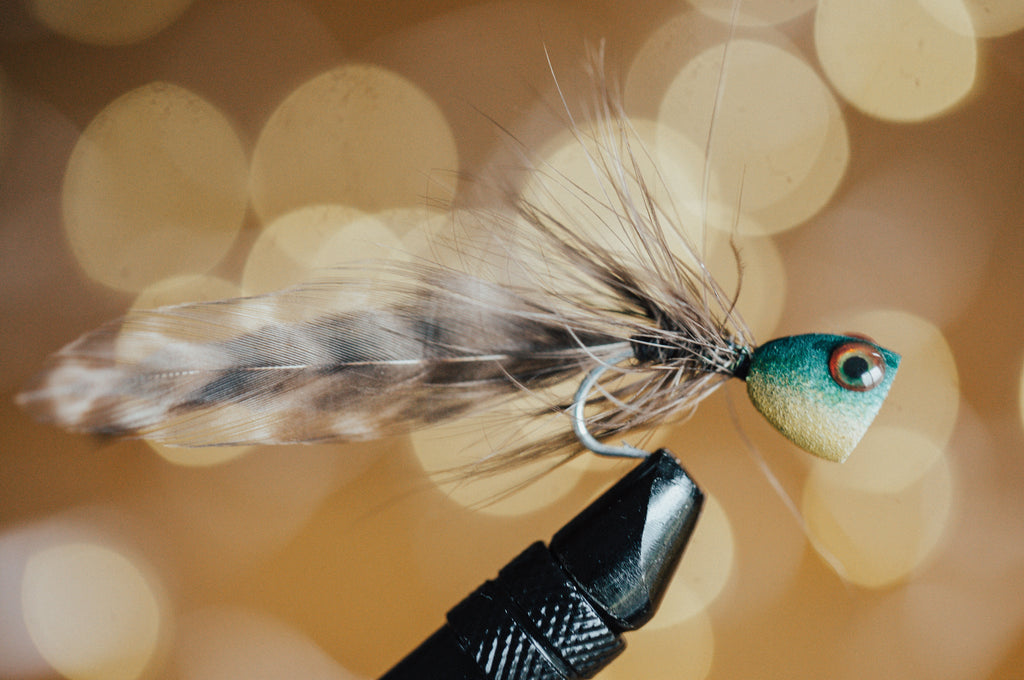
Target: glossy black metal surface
624	547
556	613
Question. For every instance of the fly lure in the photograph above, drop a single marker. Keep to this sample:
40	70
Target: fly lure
598	282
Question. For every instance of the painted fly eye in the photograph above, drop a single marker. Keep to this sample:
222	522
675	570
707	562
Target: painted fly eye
857	366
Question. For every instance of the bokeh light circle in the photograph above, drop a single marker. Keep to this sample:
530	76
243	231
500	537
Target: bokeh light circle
176	290
291	249
311	244
753	12
571	186
448	453
218	643
888	459
424	233
357	135
893	59
92	612
366	240
989	18
878	538
407	222
155	186
107	22
779	145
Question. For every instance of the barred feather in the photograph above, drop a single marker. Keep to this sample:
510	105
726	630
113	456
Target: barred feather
548	288
193	375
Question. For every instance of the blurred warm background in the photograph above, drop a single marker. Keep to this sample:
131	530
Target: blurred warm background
172	150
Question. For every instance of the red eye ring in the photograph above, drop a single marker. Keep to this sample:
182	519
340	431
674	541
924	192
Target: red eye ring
857	366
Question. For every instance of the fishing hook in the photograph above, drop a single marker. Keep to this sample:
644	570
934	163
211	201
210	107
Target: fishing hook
579	419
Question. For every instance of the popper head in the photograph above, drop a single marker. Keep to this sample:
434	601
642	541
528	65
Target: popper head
821	391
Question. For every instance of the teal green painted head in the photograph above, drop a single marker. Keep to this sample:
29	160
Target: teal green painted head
821	391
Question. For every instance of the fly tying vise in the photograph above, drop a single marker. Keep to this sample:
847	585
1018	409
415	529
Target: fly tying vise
593	279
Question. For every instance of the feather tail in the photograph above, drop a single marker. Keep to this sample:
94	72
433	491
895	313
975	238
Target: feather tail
548	283
222	373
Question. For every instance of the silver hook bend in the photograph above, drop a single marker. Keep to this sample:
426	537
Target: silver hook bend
579	419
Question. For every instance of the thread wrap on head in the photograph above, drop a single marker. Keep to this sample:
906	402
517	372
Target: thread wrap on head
651	349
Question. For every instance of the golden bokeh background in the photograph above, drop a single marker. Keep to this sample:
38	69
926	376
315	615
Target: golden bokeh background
868	157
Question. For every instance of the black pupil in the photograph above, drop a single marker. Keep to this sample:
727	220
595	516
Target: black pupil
856	367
